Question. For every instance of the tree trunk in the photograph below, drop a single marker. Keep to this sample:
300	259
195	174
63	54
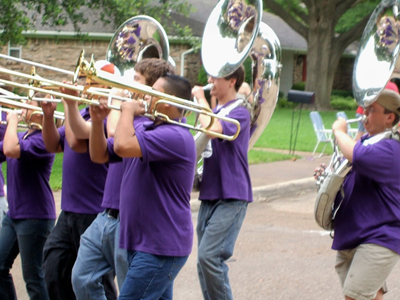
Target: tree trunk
322	61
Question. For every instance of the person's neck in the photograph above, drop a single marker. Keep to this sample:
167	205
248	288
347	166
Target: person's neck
31	130
231	95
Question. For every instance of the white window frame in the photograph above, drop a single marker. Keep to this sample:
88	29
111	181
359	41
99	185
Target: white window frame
14	48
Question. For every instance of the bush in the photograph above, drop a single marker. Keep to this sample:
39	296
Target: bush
343	103
299	86
342	93
202	77
283	103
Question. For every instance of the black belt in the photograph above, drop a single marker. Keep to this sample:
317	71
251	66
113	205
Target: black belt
112	212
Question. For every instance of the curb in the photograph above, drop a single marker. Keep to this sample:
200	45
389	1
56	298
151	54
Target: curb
273	191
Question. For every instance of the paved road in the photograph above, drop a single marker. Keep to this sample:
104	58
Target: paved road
280	254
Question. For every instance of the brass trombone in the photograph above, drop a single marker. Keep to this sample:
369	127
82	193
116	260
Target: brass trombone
106	79
16	106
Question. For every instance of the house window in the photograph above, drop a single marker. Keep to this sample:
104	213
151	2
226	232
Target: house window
14	50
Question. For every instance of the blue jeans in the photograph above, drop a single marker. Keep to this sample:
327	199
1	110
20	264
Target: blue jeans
98	255
218	227
27	238
60	252
150	277
3	208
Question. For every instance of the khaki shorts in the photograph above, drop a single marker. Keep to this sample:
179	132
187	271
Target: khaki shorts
363	270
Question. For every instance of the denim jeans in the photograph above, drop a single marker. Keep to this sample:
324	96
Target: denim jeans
150	276
3	208
218	227
27	238
98	255
60	253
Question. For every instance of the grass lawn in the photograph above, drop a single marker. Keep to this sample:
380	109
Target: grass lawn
278	131
275	136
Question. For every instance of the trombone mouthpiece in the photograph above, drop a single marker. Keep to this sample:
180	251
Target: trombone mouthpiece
360	119
207	87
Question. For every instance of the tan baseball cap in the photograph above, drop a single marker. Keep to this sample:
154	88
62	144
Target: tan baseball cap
390	100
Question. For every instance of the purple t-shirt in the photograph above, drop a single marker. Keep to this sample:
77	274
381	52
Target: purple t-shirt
226	171
29	193
115	170
83	180
155	192
370	211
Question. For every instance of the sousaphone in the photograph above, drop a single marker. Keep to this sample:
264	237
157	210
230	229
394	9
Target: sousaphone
137	38
233	33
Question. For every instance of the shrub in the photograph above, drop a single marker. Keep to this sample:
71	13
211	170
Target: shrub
299	86
342	93
343	103
283	103
202	77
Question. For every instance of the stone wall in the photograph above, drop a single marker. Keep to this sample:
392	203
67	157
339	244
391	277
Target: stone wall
64	54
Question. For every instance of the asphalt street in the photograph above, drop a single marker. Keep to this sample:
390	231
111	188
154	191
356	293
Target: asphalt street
280	254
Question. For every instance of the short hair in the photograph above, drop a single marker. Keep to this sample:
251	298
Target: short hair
153	68
396	116
239	74
178	86
7	77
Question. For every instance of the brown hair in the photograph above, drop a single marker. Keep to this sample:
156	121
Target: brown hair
239	75
153	68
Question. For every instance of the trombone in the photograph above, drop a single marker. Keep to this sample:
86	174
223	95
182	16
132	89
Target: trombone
106	79
16	106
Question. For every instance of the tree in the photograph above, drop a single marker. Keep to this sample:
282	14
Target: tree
18	16
329	27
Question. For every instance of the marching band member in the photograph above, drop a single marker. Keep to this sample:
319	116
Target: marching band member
367	224
99	251
225	189
3	199
82	194
31	214
159	163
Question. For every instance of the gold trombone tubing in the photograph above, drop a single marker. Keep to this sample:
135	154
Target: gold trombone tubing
110	80
36	64
102	92
4	122
20	105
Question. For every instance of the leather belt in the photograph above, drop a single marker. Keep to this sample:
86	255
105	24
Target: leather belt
113	213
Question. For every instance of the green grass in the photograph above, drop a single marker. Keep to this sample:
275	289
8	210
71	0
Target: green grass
261	156
278	131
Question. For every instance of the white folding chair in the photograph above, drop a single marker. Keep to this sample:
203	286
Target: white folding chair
350	131
323	135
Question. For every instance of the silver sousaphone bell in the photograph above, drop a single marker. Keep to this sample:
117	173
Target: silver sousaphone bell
137	38
377	58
